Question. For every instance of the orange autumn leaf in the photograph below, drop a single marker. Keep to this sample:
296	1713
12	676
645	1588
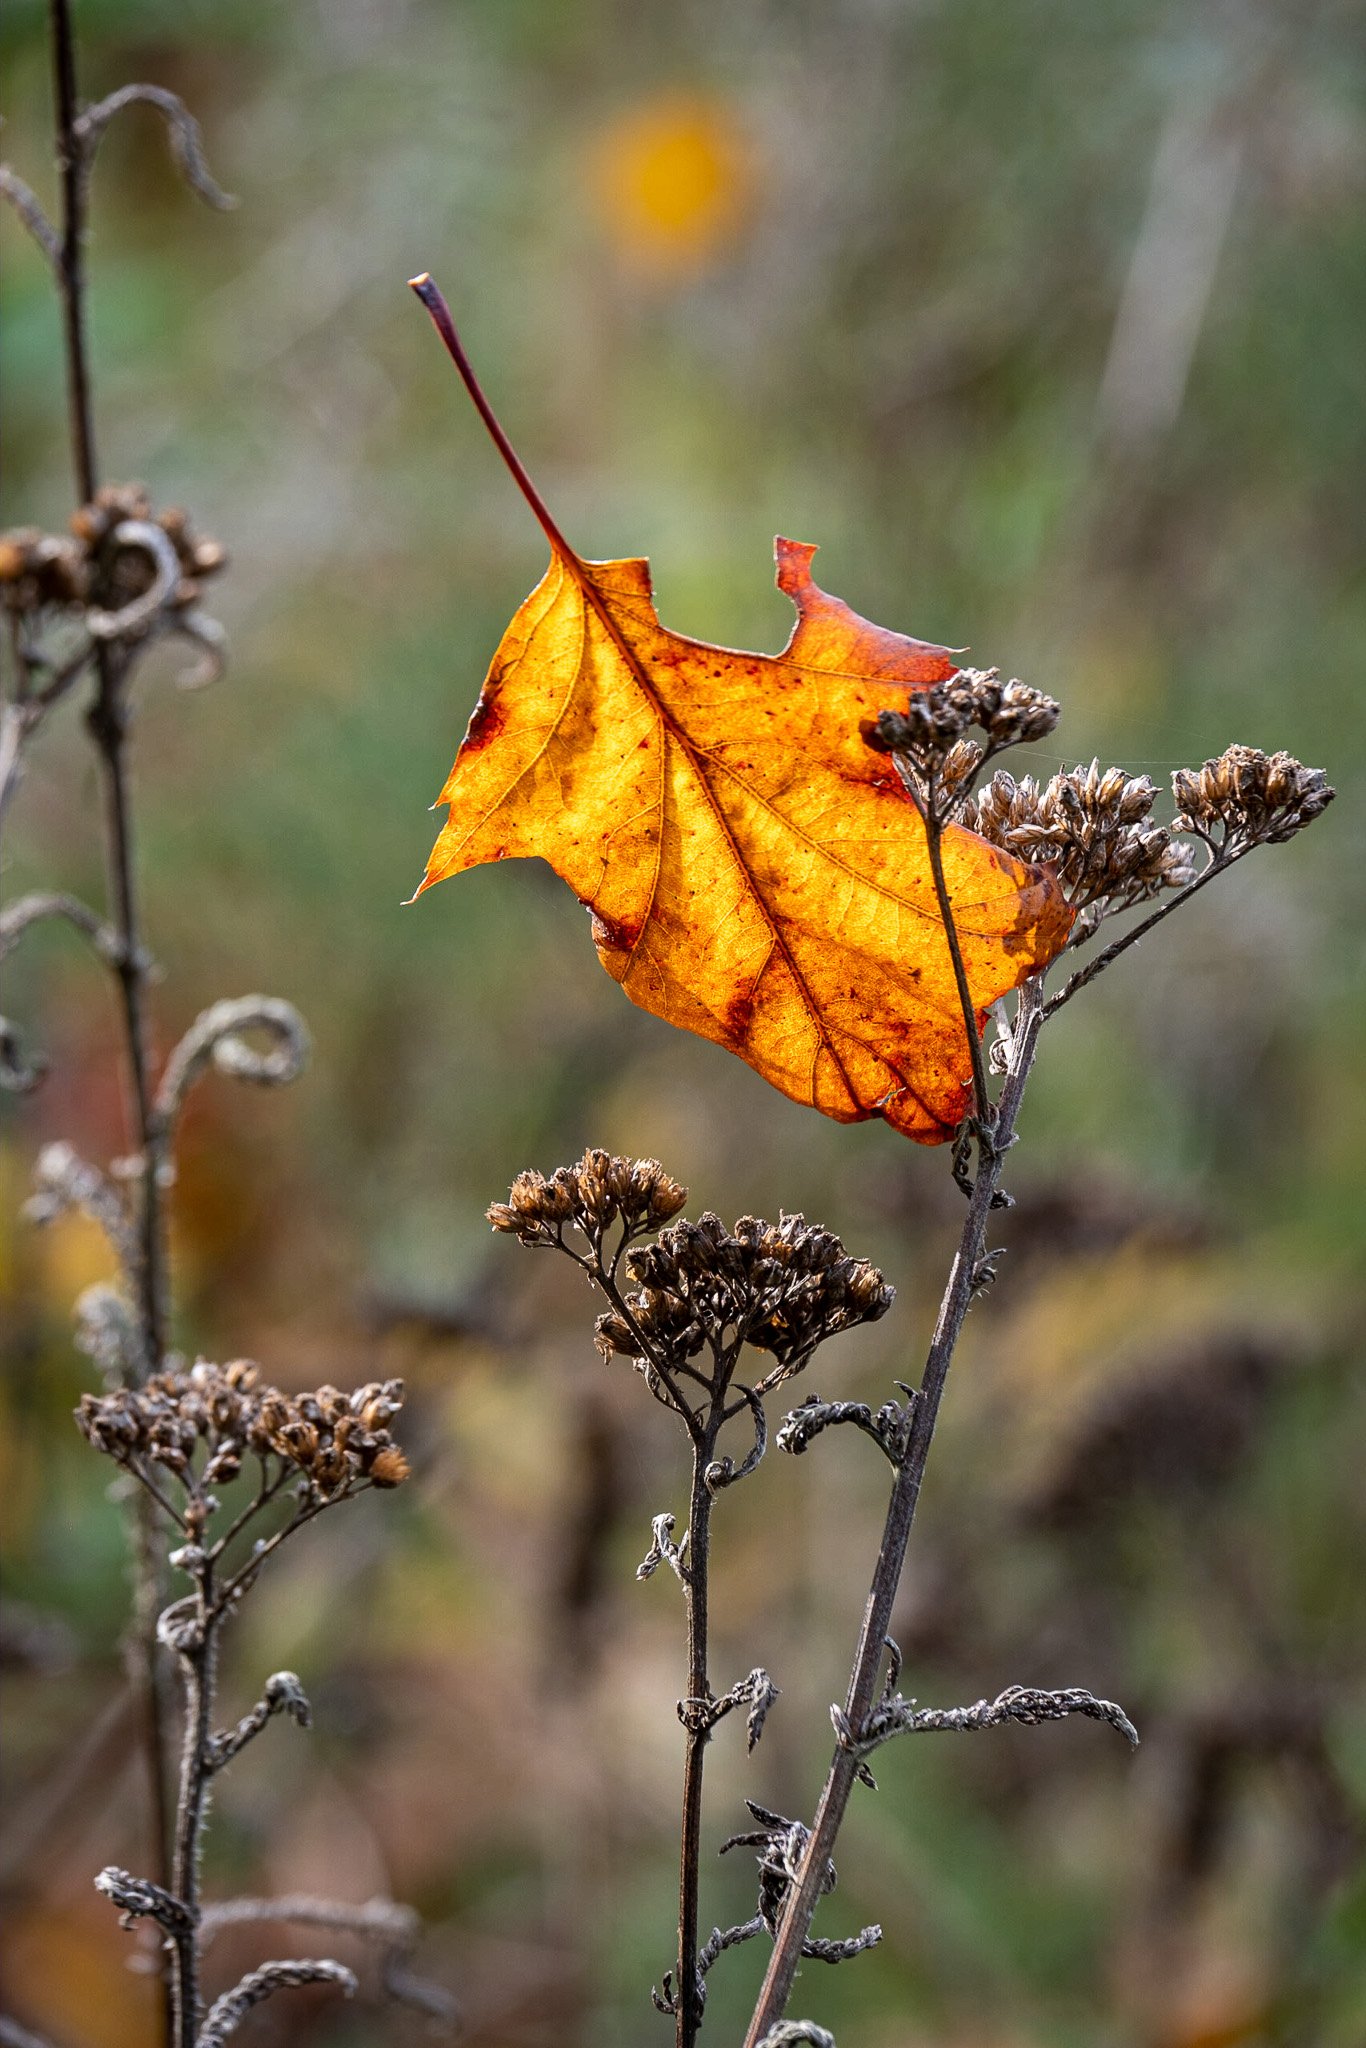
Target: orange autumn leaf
756	874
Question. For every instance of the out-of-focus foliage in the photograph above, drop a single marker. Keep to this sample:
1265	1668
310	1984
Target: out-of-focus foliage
1047	318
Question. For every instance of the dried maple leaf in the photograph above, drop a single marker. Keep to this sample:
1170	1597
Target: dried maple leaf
756	874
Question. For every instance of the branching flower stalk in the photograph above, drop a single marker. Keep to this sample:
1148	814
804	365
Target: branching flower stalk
1095	831
874	1635
180	1436
693	1302
83	608
701	1293
116	585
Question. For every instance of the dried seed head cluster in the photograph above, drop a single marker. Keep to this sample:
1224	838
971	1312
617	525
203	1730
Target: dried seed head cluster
94	524
201	1424
41	569
600	1190
929	738
1247	798
1092	826
781	1287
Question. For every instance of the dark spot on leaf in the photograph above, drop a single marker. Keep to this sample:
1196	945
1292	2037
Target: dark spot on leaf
486	722
615	935
740	1014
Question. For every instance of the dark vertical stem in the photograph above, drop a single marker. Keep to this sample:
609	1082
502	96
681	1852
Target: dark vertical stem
108	726
143	1666
108	716
934	835
71	269
198	1671
801	1905
689	2017
107	720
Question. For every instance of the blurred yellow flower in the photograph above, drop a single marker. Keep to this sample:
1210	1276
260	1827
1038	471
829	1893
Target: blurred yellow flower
672	179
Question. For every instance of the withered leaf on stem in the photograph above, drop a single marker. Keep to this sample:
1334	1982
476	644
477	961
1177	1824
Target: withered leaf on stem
756	874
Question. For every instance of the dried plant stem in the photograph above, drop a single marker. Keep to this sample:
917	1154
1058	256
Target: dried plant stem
198	1666
108	725
108	715
689	1991
71	265
801	1904
1084	975
934	836
108	721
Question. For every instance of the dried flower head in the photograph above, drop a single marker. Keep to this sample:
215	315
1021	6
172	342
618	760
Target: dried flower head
783	1288
43	569
38	569
929	739
94	523
1092	827
1247	798
600	1190
201	1424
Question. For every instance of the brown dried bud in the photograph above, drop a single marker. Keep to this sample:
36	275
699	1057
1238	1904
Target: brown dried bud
389	1467
299	1440
376	1404
614	1337
38	569
959	766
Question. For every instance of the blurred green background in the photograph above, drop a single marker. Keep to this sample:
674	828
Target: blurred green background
1046	321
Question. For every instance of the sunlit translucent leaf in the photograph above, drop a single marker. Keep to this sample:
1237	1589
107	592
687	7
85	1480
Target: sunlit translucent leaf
755	873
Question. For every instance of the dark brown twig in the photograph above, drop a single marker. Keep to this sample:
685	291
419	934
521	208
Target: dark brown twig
805	1892
1219	865
107	721
984	1109
691	1994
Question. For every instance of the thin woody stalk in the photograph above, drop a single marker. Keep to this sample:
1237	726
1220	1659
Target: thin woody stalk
694	1577
107	722
702	1294
199	1669
108	717
194	1429
863	1684
689	2016
934	840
